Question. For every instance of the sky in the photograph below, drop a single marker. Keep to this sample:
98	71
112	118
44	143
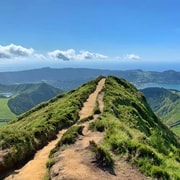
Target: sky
103	34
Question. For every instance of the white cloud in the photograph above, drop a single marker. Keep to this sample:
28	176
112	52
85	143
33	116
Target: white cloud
14	51
40	56
67	55
71	54
84	55
132	56
101	56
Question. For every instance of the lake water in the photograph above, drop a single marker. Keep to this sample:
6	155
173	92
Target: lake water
166	86
7	95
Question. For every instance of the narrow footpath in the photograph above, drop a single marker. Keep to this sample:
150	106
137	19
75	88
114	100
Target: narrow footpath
75	162
35	169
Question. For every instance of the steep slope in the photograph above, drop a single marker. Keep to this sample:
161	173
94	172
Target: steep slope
165	103
76	161
134	132
31	131
133	135
125	133
31	96
28	171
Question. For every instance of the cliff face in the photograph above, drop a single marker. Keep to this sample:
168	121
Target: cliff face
120	132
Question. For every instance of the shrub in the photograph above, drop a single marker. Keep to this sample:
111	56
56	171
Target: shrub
70	136
98	125
50	163
102	156
159	173
86	119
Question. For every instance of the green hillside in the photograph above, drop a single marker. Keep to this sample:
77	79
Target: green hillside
131	130
5	112
17	99
29	132
165	103
31	96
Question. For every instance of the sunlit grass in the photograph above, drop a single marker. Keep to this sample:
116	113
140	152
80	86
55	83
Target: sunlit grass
5	112
133	131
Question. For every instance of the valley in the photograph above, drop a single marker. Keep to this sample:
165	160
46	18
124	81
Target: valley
19	98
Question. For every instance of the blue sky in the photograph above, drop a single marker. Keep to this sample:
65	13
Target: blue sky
107	34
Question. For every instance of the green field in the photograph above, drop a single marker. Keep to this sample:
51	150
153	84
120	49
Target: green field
176	129
5	112
2	123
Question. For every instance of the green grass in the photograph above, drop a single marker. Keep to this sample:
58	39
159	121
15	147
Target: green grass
176	130
26	134
5	112
2	124
101	155
165	103
134	132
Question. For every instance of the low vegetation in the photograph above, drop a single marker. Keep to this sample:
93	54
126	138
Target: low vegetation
132	131
30	96
101	155
88	118
23	136
176	129
165	103
70	136
5	112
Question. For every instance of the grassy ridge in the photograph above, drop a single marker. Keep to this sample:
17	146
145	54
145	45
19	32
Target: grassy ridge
134	132
32	130
31	95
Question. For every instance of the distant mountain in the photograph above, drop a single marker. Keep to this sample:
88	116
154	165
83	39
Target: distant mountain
22	97
165	103
130	132
70	78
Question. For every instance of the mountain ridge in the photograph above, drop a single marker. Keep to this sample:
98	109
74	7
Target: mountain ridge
70	78
131	130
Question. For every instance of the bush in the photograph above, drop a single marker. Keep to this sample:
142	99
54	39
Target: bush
98	125
102	156
159	173
86	119
70	136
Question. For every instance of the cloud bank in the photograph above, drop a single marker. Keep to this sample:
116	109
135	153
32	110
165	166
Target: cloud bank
71	54
14	51
17	52
132	57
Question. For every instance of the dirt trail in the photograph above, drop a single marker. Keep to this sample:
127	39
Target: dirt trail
76	161
89	105
35	169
